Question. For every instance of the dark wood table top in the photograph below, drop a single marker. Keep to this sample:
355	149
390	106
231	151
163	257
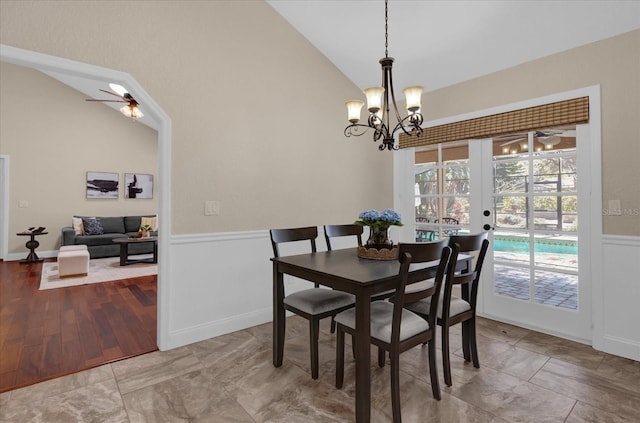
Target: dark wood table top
344	270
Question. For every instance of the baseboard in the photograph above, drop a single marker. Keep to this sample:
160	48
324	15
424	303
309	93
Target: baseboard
622	347
23	255
534	328
220	327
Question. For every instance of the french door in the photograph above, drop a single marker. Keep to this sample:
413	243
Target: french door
531	202
525	191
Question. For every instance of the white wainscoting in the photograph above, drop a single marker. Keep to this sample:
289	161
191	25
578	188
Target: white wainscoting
220	283
620	292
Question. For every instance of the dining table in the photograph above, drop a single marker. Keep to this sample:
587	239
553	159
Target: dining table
343	270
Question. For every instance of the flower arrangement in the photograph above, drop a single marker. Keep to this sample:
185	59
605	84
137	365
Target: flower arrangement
145	228
380	220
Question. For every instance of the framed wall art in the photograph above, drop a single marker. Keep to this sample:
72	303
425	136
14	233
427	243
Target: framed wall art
138	185
102	185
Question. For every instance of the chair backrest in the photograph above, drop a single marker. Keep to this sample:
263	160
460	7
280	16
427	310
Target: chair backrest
278	236
465	244
331	231
412	254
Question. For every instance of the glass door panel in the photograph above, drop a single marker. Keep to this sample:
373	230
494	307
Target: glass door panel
441	190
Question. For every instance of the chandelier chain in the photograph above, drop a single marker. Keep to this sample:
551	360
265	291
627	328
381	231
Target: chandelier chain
386	28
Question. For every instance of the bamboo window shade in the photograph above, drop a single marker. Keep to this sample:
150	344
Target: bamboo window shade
565	112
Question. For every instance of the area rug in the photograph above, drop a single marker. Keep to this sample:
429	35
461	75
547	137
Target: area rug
100	270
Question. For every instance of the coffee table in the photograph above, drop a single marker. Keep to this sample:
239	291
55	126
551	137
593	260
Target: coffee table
124	249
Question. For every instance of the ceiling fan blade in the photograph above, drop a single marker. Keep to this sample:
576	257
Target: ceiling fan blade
106	101
114	94
513	141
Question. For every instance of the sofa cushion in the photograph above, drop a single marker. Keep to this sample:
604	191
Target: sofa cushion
132	223
77	225
112	225
93	240
92	226
151	221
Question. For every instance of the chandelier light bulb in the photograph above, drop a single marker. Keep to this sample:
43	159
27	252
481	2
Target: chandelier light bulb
374	98
354	108
413	96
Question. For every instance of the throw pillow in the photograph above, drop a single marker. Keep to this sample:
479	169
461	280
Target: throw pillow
77	225
92	226
151	221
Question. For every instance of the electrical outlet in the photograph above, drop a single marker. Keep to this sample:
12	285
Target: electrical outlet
212	208
23	204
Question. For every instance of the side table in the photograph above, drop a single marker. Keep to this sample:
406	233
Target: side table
32	244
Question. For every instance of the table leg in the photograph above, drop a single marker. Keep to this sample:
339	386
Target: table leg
155	252
363	358
124	252
278	316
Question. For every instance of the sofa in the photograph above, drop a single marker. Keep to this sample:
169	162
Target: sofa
101	231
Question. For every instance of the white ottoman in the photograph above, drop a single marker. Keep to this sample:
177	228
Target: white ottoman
73	260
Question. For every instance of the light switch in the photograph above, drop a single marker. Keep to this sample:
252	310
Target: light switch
614	208
23	204
211	208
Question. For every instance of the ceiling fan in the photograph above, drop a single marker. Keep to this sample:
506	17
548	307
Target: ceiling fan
549	138
131	109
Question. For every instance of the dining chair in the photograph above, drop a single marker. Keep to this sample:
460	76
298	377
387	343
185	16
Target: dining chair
395	329
452	309
332	231
313	304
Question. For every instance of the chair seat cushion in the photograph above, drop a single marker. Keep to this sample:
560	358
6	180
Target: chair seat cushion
458	305
319	300
381	320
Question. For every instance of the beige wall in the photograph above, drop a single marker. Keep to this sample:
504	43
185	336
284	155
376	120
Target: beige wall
614	64
52	137
257	112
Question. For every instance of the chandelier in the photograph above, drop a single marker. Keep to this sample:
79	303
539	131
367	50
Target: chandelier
379	102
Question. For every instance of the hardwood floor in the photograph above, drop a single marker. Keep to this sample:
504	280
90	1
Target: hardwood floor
46	334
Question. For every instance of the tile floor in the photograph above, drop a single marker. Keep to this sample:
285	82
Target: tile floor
524	377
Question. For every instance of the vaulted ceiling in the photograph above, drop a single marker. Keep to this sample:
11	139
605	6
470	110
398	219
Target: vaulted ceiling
441	43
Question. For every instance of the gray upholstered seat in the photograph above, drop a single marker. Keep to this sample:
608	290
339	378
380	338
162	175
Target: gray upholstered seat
318	300
457	306
381	320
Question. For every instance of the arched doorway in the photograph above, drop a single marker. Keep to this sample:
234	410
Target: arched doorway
72	68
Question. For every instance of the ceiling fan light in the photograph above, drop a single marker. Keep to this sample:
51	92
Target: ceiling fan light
413	96
549	142
374	98
131	111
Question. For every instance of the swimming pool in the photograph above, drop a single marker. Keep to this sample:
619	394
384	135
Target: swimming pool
518	244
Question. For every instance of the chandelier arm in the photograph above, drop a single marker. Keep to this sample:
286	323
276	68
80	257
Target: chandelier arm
352	130
414	120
